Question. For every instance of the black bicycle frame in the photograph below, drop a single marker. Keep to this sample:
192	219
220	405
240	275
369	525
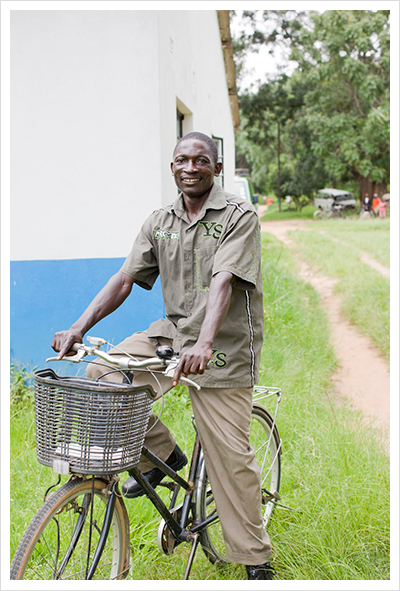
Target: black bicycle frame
179	530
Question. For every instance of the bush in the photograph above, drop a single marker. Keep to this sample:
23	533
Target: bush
21	391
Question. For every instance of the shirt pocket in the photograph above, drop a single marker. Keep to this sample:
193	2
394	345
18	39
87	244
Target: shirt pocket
203	267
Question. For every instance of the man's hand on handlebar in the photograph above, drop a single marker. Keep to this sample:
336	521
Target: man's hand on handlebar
63	341
193	361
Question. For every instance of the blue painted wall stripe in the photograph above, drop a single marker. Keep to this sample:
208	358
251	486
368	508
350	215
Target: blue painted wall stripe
48	296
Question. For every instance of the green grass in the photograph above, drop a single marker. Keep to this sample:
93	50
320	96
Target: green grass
335	475
371	236
288	212
365	293
330	460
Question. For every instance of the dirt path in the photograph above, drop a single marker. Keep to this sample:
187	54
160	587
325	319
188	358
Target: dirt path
363	376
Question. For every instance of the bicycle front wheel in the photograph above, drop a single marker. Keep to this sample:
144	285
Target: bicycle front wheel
266	443
62	538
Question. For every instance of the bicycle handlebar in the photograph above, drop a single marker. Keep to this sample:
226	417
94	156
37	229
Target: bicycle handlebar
123	361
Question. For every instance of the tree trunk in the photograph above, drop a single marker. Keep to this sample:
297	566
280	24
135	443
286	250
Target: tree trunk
367	186
279	166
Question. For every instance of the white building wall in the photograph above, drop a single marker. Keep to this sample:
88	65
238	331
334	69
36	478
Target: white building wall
93	122
192	70
85	124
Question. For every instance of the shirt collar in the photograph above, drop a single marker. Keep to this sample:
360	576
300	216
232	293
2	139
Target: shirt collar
215	200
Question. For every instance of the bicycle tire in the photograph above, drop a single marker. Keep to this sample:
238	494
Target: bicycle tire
262	430
318	214
45	542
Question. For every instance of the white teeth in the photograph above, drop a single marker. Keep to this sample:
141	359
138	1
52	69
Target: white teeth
190	180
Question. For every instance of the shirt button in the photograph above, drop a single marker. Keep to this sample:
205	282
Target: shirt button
189	314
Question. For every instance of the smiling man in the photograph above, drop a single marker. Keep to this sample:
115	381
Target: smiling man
206	249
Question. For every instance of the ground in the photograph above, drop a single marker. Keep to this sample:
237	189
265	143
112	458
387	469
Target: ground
362	373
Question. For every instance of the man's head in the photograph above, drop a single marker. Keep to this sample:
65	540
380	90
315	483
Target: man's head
195	163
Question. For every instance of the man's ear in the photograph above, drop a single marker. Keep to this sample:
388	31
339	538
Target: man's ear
218	169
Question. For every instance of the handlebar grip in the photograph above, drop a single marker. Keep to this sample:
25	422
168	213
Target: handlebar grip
76	346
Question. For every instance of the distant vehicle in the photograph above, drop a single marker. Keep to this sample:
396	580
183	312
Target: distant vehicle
244	188
329	199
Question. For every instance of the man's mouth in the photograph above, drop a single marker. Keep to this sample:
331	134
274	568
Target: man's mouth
190	180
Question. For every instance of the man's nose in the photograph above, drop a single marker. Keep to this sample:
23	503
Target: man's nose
190	166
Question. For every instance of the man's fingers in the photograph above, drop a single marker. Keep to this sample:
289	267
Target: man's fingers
187	365
63	351
177	374
65	348
183	368
191	363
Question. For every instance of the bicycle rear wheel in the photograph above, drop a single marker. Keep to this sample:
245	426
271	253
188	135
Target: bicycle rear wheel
61	540
266	443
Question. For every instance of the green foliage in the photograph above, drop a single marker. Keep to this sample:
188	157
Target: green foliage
333	111
21	392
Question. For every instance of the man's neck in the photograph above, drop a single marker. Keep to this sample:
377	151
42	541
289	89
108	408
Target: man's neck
193	205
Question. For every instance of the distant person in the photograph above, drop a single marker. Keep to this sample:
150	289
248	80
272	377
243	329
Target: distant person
270	201
375	203
382	209
265	199
367	202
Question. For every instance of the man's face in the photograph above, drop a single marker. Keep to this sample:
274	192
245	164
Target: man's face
194	167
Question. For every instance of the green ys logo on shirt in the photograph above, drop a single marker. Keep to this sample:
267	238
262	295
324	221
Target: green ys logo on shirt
160	234
218	359
212	229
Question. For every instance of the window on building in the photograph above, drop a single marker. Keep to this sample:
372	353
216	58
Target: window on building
220	146
184	119
179	124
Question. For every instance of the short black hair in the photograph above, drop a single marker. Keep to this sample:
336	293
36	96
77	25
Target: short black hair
197	135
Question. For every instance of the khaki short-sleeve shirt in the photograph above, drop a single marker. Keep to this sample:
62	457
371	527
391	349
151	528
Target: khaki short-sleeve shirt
224	237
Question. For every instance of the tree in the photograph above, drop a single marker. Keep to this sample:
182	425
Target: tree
341	129
347	55
266	112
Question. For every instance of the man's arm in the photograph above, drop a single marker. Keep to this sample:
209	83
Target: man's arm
113	294
195	359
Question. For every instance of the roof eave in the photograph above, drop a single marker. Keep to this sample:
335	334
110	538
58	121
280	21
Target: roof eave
230	72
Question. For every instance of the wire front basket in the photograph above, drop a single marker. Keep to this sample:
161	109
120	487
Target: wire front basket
88	426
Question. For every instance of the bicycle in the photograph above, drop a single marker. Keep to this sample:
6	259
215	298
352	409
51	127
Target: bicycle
92	430
336	211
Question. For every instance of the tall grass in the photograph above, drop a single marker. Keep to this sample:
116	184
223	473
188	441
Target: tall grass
335	479
334	471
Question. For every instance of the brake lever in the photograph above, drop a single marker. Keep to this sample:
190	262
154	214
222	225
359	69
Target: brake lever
73	358
169	372
190	382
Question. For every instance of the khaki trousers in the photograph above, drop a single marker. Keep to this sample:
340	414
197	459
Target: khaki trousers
223	420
